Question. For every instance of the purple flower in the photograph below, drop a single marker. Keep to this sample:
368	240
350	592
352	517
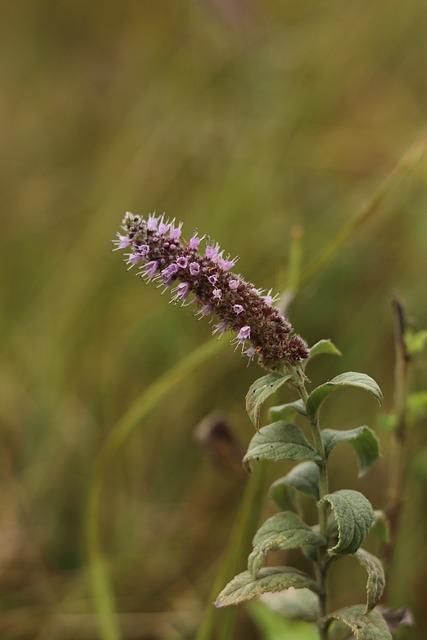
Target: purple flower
226	265
212	252
234	283
152	223
194	242
217	294
123	242
220	328
182	262
134	258
181	291
163	227
149	270
175	232
204	310
169	272
250	352
269	299
244	333
237	305
194	268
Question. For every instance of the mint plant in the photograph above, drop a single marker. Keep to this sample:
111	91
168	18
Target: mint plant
205	280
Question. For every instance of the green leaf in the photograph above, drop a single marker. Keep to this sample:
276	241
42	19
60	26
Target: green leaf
273	626
376	577
284	530
353	515
270	579
364	626
260	391
349	379
280	441
323	347
287	411
380	527
303	477
295	604
363	440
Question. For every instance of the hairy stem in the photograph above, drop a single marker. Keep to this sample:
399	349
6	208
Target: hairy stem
320	565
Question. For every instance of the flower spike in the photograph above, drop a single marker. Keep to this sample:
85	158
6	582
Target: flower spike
260	329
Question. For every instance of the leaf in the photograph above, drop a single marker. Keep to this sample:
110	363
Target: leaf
280	441
363	440
295	604
270	579
284	530
273	626
303	477
349	379
353	515
287	411
376	577
364	626
380	527
260	391
323	347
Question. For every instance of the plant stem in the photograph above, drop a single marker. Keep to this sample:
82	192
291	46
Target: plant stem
320	565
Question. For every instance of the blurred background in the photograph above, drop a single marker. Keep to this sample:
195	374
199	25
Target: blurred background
245	119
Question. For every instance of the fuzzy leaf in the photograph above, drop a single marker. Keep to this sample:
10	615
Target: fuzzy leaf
287	411
280	441
353	515
363	440
282	531
323	347
376	577
303	477
294	604
364	626
270	579
349	379
260	391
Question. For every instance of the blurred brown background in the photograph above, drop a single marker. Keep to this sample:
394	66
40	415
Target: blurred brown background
243	119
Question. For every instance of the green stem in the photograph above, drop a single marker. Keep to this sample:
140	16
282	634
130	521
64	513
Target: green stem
320	565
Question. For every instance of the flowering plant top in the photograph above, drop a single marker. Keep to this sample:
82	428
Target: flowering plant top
204	277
